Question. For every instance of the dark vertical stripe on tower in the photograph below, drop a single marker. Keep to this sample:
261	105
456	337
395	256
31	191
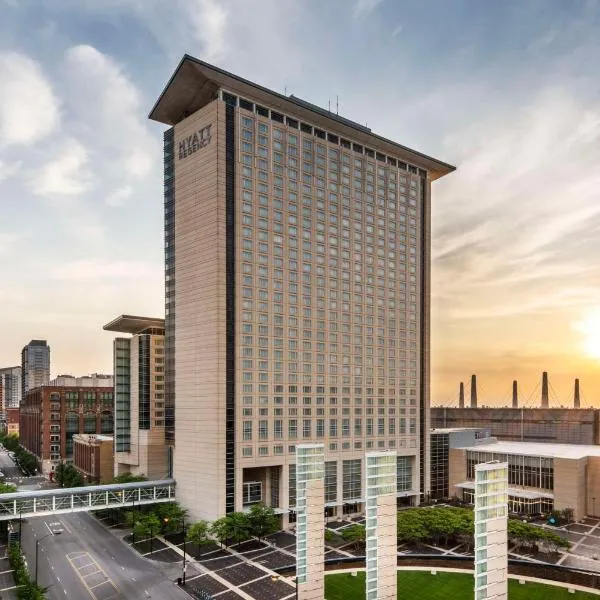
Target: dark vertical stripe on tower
423	455
144	381
230	308
169	200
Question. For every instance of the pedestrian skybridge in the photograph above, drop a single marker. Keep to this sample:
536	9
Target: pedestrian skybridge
79	499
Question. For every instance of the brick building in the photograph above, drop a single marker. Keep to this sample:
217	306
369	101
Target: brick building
93	457
51	415
12	421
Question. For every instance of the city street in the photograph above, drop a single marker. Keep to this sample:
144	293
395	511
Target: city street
87	561
7	465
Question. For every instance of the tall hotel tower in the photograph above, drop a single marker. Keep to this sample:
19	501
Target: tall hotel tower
297	295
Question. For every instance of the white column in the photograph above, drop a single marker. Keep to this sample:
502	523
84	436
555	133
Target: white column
310	525
381	525
491	536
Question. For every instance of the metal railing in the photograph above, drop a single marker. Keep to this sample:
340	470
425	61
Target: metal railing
96	497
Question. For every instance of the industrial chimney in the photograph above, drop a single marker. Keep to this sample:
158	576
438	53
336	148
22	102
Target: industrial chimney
473	391
545	403
576	402
515	403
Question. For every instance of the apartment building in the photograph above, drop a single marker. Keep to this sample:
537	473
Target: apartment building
93	457
51	415
10	383
35	365
139	374
297	295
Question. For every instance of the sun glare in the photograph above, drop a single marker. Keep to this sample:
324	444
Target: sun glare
589	326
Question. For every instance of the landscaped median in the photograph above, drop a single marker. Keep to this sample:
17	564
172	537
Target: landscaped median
26	589
417	585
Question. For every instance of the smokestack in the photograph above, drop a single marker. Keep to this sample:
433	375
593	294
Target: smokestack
473	391
461	395
515	403
545	389
576	403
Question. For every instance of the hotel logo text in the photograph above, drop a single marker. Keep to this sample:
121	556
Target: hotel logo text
193	143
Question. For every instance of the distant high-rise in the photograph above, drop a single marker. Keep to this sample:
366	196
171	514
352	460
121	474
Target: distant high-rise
10	382
297	270
35	365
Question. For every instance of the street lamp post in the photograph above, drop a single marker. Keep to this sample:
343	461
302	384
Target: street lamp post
184	539
37	548
133	525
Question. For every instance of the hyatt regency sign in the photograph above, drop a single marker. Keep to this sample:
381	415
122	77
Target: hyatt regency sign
194	142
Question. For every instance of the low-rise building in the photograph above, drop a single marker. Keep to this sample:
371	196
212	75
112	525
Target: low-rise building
541	477
441	442
93	457
550	425
51	415
12	421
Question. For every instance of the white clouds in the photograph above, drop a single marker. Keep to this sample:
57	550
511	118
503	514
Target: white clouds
8	241
363	8
9	169
119	197
209	19
110	113
28	108
66	174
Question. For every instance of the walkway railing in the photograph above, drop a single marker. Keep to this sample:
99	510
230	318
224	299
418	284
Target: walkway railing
96	497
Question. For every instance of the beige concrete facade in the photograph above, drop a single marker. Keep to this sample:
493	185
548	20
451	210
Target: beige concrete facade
329	287
313	588
570	485
199	463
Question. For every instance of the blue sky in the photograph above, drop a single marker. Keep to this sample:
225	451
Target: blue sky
508	91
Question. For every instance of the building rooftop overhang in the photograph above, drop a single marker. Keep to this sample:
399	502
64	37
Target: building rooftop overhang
195	83
539	449
132	324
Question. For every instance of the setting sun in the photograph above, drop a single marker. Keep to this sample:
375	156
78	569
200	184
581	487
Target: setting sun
589	326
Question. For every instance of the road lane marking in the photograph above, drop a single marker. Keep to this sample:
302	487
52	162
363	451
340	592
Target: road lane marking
90	580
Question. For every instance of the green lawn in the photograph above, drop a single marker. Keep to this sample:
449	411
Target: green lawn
417	585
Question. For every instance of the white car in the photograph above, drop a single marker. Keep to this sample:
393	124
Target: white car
56	528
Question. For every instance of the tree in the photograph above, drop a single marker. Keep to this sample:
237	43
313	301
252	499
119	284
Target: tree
7	488
356	535
234	527
262	521
198	533
11	442
173	513
68	476
146	525
240	526
221	530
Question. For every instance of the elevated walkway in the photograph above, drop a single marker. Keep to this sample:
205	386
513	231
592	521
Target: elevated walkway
92	497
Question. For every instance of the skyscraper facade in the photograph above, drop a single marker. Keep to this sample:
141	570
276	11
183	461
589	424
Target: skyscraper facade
297	294
139	382
35	365
10	381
